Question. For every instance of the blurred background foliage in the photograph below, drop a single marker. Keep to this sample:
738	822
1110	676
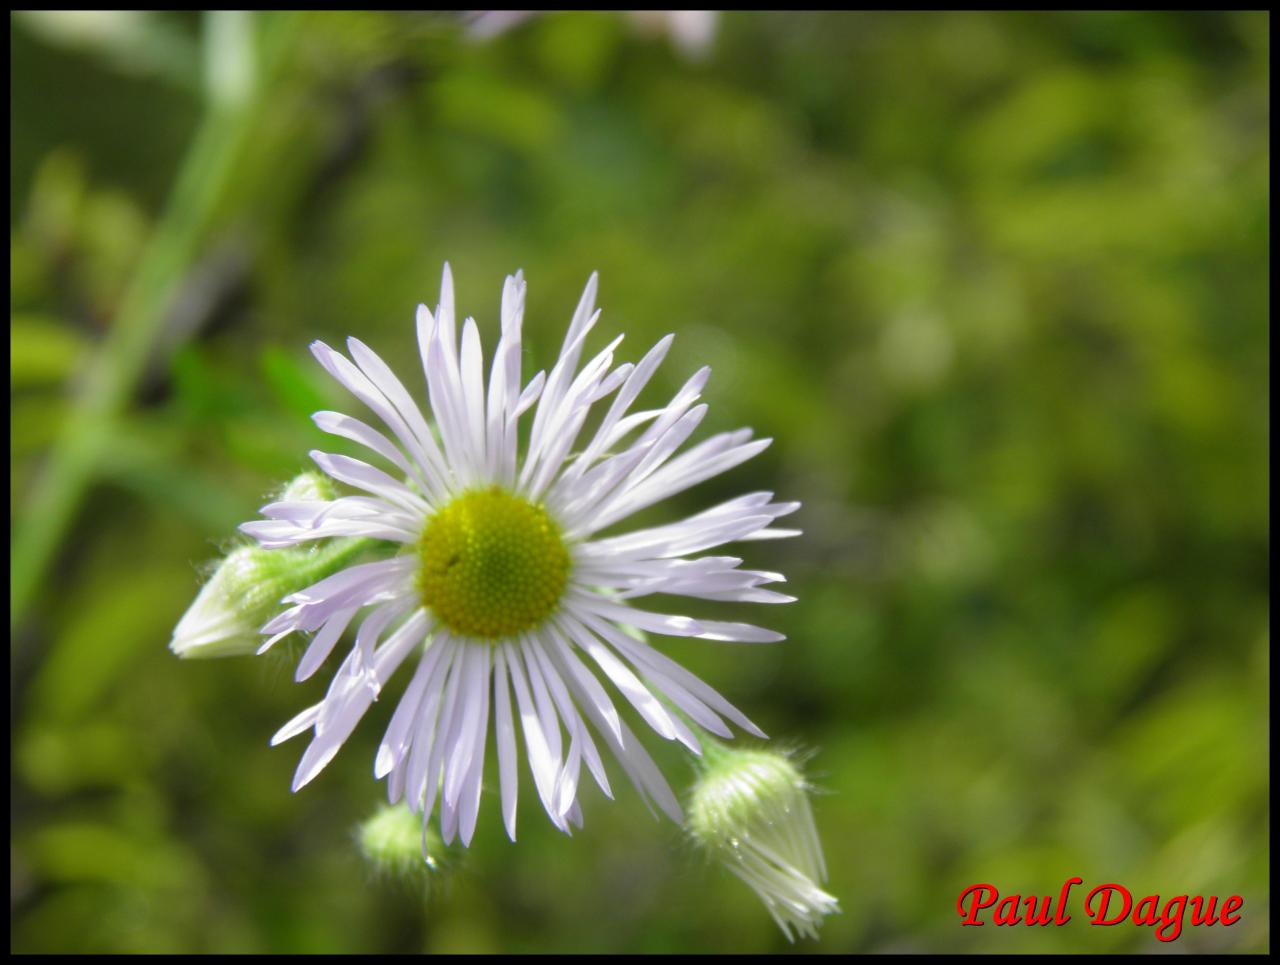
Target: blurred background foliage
996	284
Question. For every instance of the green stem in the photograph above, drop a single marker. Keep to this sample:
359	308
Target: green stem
202	180
297	567
714	749
327	560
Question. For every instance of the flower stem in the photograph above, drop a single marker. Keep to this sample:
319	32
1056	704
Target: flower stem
205	173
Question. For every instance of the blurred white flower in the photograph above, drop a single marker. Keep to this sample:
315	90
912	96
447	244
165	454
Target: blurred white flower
131	41
484	24
692	31
87	28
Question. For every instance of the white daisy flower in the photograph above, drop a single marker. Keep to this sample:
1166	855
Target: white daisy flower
503	584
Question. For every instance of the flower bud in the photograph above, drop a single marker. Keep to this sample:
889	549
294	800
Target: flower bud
246	588
308	486
396	842
750	808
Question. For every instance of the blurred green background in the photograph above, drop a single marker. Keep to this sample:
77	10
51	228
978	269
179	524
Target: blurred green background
996	284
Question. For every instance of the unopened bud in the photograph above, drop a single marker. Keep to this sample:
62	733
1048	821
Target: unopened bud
308	486
246	588
750	808
396	842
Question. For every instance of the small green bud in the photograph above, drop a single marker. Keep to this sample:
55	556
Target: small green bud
395	842
308	486
750	809
218	624
246	588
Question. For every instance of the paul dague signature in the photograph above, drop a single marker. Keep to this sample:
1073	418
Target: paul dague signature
1099	908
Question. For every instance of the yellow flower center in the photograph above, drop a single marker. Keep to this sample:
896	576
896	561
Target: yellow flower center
493	564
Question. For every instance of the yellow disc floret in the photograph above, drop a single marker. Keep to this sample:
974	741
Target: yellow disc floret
493	564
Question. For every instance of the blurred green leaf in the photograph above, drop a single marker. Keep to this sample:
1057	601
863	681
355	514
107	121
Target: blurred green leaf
298	386
42	350
112	624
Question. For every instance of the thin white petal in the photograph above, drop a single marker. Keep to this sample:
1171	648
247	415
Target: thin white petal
297	725
637	694
671	626
400	731
738	632
346	427
426	723
541	763
371	480
323	642
578	731
504	735
469	805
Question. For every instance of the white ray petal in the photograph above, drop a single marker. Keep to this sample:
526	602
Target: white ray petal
363	388
469	805
474	686
542	764
738	632
427	678
505	738
353	472
637	764
472	373
637	379
586	683
297	725
580	601
572	720
323	642
345	427
652	661
423	741
637	694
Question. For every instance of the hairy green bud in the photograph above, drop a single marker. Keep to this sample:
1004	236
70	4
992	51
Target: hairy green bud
245	589
309	485
395	841
750	809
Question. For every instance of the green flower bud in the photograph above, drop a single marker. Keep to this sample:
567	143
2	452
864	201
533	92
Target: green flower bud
395	842
750	808
308	486
245	589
